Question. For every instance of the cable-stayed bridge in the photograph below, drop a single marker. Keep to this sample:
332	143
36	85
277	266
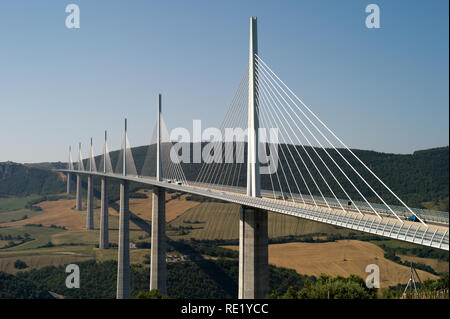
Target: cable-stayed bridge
271	153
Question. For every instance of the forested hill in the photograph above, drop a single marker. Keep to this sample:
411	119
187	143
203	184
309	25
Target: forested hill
21	180
421	179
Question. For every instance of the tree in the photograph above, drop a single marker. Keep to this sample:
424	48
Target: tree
338	287
19	264
152	294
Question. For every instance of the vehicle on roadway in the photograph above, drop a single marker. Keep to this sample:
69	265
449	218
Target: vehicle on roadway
413	218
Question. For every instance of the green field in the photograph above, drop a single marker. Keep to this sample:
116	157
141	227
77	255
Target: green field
91	237
8	204
14	208
14	215
38	258
40	235
4	243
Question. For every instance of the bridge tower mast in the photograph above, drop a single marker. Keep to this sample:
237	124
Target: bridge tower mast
123	264
90	194
78	191
70	166
158	241
158	140
124	171
253	178
104	240
253	232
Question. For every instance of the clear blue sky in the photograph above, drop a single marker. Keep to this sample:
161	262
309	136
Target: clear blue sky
384	90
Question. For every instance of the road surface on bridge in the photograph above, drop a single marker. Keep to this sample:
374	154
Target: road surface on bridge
435	235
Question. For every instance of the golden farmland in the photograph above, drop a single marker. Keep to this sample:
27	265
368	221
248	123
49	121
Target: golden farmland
343	258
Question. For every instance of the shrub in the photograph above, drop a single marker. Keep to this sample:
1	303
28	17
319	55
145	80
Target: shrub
19	264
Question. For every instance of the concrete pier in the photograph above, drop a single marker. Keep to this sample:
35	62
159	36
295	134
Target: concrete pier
90	204
123	260
78	194
158	253
253	254
68	183
104	241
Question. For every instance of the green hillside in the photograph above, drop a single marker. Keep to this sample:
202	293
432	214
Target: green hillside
20	180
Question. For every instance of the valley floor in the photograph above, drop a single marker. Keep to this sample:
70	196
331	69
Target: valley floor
56	236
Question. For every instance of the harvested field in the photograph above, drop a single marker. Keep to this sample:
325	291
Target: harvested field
438	265
142	207
343	258
211	220
59	213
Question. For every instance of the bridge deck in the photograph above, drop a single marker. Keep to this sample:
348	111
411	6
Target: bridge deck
435	235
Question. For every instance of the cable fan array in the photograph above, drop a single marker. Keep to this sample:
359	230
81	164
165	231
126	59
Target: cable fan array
130	166
171	166
312	169
313	166
229	165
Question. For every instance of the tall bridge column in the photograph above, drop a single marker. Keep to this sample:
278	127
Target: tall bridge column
158	253
68	183
123	260
78	193
253	234
253	254
104	241
90	204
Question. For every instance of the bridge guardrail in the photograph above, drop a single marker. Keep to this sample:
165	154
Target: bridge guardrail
427	236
